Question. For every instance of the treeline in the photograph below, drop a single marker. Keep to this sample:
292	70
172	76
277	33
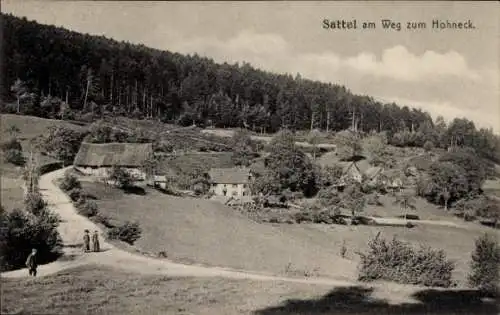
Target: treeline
52	72
93	73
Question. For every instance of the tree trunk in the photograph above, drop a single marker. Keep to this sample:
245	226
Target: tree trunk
18	104
446	204
328	121
111	89
312	120
86	94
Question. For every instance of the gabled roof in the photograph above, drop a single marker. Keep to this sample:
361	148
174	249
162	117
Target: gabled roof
113	154
229	175
373	172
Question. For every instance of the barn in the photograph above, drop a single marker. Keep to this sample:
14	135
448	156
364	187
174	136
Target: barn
97	159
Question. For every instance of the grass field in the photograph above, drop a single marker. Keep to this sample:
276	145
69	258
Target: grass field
98	290
29	128
195	230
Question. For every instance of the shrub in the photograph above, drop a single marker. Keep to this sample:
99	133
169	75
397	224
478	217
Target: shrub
34	203
14	157
128	232
428	146
20	232
485	265
103	219
400	262
75	194
87	208
11	144
120	177
69	182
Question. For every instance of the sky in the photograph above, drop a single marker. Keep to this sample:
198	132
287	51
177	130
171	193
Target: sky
453	73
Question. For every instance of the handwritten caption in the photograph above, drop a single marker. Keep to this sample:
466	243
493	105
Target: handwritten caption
393	25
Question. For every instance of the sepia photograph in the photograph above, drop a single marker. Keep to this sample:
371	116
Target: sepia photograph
250	157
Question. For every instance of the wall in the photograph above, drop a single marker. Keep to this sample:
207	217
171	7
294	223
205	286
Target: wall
104	171
232	189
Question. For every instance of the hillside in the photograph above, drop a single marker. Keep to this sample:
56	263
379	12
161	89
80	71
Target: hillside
176	87
202	231
94	289
28	128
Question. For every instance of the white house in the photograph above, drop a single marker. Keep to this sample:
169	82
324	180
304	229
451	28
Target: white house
230	181
97	159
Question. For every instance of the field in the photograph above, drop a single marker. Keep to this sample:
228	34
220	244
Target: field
202	231
29	128
99	290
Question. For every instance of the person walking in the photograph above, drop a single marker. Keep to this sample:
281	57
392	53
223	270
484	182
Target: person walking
95	242
31	263
86	241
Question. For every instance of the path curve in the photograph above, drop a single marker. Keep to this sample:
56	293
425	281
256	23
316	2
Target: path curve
73	224
71	229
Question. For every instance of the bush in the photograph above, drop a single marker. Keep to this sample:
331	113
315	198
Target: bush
120	177
14	157
75	194
128	232
485	265
103	219
21	232
11	144
428	146
87	208
34	203
400	262
69	182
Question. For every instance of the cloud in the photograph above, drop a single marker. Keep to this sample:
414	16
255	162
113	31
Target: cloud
440	83
449	111
395	62
398	63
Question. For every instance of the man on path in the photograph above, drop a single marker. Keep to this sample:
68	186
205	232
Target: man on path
86	241
31	263
95	242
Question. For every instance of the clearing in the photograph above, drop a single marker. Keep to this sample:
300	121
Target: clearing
29	127
206	232
95	289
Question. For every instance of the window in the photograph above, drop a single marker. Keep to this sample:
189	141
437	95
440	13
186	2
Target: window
245	193
245	186
235	185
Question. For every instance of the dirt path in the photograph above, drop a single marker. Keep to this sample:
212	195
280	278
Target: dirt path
73	225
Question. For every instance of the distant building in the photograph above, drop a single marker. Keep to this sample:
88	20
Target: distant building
359	172
97	159
230	181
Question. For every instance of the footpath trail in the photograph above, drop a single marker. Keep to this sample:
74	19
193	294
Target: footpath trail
72	226
71	230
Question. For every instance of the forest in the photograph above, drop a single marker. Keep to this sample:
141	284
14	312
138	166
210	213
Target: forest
52	72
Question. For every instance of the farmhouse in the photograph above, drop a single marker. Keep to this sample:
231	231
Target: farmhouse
97	159
230	181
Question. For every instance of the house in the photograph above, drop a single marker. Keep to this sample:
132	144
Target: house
359	171
97	159
393	180
230	181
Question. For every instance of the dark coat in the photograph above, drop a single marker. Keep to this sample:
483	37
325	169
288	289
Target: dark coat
31	261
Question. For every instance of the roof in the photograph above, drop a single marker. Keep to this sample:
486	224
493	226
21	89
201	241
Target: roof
230	175
113	154
372	172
